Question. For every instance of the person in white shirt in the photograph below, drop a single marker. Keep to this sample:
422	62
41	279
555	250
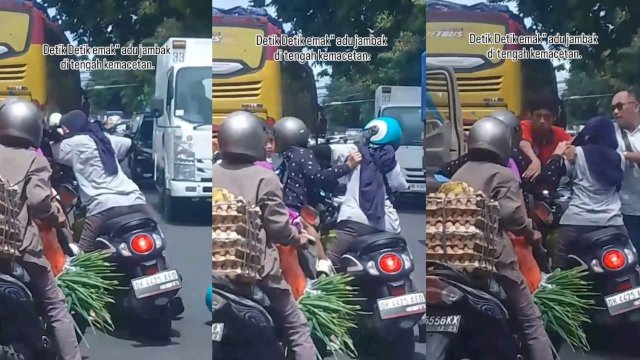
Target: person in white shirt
105	189
626	111
366	208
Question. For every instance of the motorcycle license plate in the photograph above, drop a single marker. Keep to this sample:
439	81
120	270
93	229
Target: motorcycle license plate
622	302
443	323
398	306
156	284
216	331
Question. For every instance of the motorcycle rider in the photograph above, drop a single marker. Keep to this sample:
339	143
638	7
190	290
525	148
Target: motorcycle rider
21	128
540	137
596	171
550	174
302	174
242	143
366	208
490	146
105	189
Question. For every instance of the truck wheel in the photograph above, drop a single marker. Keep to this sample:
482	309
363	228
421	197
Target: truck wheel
169	206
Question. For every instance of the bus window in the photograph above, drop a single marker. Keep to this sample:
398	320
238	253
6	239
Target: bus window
15	41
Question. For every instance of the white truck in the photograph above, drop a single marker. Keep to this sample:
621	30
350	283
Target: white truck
182	152
403	104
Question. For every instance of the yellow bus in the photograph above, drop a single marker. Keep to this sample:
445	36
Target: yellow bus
485	84
246	76
24	71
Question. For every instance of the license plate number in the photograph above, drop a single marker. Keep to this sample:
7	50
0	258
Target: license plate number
216	331
156	283
418	187
623	302
443	323
404	305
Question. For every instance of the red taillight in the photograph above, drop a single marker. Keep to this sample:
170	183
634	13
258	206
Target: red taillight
624	286
397	291
613	259
390	263
142	243
153	269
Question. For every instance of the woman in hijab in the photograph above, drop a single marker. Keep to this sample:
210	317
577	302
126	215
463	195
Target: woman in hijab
595	170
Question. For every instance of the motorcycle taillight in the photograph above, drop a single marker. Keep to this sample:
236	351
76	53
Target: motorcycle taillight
439	292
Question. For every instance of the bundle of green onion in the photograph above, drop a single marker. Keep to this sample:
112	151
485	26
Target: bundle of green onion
564	299
330	308
87	283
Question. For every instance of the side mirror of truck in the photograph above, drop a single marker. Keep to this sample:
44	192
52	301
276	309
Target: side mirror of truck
157	107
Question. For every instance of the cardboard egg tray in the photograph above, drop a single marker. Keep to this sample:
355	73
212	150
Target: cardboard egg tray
10	234
237	252
461	231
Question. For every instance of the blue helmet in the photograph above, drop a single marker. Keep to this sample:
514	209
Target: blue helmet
389	131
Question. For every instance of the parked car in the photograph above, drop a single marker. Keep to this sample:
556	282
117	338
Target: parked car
141	158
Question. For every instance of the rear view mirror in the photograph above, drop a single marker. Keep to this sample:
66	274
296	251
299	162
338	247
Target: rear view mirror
157	107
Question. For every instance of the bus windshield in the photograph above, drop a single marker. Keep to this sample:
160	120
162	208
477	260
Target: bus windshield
16	39
193	94
409	119
448	44
238	43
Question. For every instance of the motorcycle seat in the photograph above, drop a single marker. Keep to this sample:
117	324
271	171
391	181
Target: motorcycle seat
600	237
127	223
252	293
484	302
374	242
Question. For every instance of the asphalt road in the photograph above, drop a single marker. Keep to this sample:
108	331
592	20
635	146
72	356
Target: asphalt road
412	220
188	246
188	243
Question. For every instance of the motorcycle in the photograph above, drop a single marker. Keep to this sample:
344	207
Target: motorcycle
146	295
242	327
467	315
24	334
381	267
149	288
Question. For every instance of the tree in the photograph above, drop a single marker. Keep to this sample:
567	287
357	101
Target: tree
402	22
611	64
402	19
101	23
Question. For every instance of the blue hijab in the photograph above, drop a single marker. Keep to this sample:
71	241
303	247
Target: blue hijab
77	123
376	163
599	143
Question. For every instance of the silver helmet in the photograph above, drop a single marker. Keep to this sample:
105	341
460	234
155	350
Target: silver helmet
512	122
290	131
490	135
242	133
21	123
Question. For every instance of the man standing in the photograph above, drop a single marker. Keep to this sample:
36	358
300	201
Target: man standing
540	137
626	112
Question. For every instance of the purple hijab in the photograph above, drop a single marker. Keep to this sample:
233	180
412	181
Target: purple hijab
514	169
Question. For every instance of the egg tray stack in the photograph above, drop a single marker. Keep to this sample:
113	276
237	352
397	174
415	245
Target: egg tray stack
236	251
461	231
10	235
